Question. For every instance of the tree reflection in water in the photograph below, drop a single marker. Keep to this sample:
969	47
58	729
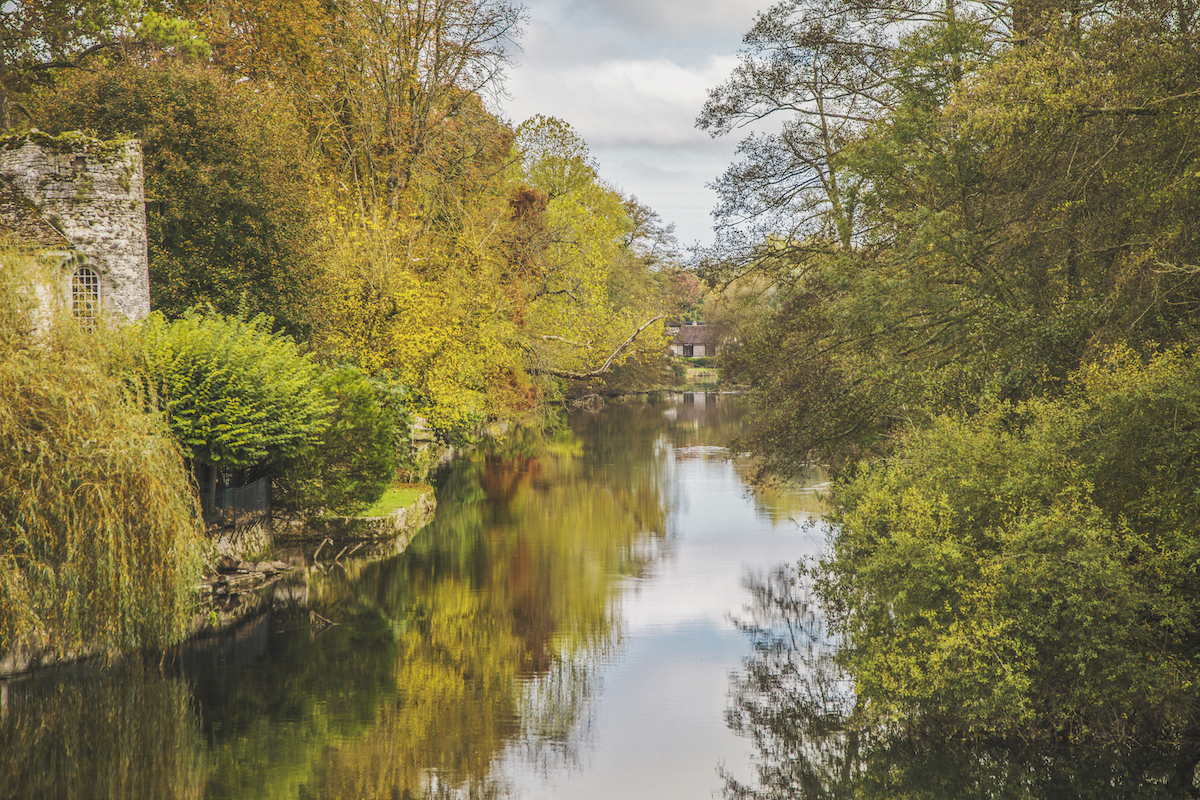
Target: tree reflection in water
500	610
482	637
796	707
791	701
84	733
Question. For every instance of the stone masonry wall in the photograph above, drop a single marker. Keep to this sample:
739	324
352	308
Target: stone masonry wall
93	192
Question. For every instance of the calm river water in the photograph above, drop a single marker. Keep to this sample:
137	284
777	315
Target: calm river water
565	627
604	614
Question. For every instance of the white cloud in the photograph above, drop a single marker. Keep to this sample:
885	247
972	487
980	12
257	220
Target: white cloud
631	76
658	17
621	101
638	116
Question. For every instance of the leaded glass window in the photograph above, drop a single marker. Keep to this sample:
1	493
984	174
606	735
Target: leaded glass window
85	296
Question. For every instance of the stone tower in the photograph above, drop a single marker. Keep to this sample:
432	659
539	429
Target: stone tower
91	193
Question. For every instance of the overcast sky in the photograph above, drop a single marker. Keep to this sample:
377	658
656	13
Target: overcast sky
630	76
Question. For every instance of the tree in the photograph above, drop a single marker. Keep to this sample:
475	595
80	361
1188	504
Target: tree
231	199
100	537
685	292
42	39
948	290
827	78
947	578
590	296
426	307
554	158
286	43
400	80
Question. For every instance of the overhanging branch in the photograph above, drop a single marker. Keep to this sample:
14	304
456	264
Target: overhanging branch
562	373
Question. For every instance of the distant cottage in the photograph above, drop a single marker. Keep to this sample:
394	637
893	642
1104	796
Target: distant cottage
78	204
695	340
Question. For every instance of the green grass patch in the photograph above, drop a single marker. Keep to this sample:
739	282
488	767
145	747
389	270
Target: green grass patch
400	495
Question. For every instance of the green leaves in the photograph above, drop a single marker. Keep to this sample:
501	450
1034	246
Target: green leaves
234	394
238	397
355	460
230	200
1028	570
1016	210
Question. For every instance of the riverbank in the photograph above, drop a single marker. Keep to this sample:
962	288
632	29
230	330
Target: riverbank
230	589
255	558
519	614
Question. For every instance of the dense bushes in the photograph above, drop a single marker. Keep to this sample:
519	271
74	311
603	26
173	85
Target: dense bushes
236	396
355	460
1032	568
241	399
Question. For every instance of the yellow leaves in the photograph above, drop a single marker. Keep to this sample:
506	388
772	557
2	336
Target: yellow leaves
444	289
421	307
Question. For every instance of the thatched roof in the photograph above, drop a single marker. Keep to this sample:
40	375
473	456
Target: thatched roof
21	222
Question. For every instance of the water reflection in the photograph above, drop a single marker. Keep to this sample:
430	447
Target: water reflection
791	701
443	657
483	636
128	733
564	615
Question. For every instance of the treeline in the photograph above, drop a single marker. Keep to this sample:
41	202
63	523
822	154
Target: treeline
344	236
341	167
963	272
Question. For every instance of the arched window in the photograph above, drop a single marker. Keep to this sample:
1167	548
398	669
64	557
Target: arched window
85	296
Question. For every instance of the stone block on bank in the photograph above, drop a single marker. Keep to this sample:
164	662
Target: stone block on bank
403	522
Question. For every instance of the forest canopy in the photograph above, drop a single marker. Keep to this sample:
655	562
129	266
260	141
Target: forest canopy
344	171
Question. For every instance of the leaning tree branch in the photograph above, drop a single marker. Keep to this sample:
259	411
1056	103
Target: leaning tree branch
1148	109
562	373
74	63
585	345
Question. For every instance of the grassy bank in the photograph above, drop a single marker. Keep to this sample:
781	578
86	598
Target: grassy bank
400	495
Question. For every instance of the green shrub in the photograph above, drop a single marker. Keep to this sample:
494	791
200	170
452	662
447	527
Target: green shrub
1031	570
355	460
236	396
240	398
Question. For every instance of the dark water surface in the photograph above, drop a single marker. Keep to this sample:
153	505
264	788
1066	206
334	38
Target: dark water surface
561	629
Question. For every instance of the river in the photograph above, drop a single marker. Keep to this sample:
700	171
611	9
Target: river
564	627
606	612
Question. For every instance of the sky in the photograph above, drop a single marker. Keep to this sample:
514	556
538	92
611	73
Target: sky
630	76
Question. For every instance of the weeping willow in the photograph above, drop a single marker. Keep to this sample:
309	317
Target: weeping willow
100	539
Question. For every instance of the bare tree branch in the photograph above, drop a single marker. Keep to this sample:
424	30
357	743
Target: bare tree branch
560	373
